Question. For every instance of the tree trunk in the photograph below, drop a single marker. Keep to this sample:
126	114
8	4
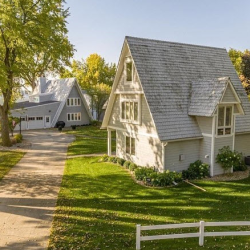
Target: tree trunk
5	128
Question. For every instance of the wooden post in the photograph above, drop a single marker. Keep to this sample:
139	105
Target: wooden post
201	238
109	143
138	237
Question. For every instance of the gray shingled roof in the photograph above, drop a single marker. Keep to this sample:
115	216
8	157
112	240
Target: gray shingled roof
60	88
167	70
27	104
205	96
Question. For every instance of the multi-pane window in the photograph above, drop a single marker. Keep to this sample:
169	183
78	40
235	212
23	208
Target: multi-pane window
224	123
39	118
74	116
130	111
31	119
130	145
129	67
73	102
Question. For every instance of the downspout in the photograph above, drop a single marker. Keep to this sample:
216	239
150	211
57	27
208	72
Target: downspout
212	148
163	144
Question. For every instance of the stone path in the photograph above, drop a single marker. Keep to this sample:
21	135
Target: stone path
28	194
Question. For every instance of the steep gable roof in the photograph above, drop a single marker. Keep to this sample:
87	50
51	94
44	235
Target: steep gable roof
59	89
167	71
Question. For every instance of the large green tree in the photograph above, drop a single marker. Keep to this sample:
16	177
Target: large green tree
95	76
33	39
241	62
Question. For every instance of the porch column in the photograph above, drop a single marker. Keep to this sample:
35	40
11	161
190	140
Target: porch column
109	142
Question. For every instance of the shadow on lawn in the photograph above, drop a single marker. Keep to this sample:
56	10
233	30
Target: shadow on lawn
101	210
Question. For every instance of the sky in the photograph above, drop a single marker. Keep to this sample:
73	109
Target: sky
100	26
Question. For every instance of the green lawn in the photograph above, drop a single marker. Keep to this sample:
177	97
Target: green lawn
89	140
99	206
8	159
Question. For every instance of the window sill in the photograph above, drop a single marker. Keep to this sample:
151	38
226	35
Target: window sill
130	122
223	136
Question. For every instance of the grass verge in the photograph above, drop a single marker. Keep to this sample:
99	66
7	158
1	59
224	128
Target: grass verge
8	159
89	140
99	206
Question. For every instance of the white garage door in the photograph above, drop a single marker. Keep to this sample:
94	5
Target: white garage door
36	122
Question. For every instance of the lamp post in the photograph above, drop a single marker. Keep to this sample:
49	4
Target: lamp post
20	125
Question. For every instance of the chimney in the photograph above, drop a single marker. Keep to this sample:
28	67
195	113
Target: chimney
41	84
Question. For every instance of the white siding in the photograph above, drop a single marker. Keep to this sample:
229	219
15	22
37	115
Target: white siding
205	124
229	95
242	144
219	143
205	149
148	150
190	149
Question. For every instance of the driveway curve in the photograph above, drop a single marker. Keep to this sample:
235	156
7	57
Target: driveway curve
28	194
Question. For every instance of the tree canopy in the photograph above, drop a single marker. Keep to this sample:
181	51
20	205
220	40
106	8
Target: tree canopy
33	39
241	62
95	76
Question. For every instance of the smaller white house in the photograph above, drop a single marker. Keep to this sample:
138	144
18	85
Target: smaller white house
172	104
53	101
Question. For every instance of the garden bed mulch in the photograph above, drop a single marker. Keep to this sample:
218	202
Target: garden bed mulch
24	146
239	175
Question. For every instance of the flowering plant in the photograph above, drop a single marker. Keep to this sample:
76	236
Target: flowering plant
228	159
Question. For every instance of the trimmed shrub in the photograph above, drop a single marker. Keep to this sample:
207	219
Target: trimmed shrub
126	164
153	178
18	138
120	161
110	159
142	173
196	170
104	158
228	158
114	159
132	166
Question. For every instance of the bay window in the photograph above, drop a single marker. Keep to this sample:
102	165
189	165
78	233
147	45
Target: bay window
225	121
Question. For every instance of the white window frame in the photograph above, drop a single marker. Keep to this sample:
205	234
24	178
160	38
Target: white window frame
131	119
74	115
31	118
130	145
128	60
224	127
39	119
73	102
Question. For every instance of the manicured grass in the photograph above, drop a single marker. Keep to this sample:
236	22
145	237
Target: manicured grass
89	140
8	159
84	145
94	131
99	206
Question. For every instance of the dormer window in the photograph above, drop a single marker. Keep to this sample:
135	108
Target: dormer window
225	120
129	69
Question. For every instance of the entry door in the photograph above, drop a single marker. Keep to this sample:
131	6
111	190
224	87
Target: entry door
47	121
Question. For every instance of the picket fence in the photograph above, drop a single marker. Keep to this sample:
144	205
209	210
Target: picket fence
201	234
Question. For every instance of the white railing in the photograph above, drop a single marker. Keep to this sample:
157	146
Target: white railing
201	234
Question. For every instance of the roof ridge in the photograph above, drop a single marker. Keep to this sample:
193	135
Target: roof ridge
163	41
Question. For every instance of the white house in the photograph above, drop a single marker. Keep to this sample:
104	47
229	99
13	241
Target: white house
172	104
